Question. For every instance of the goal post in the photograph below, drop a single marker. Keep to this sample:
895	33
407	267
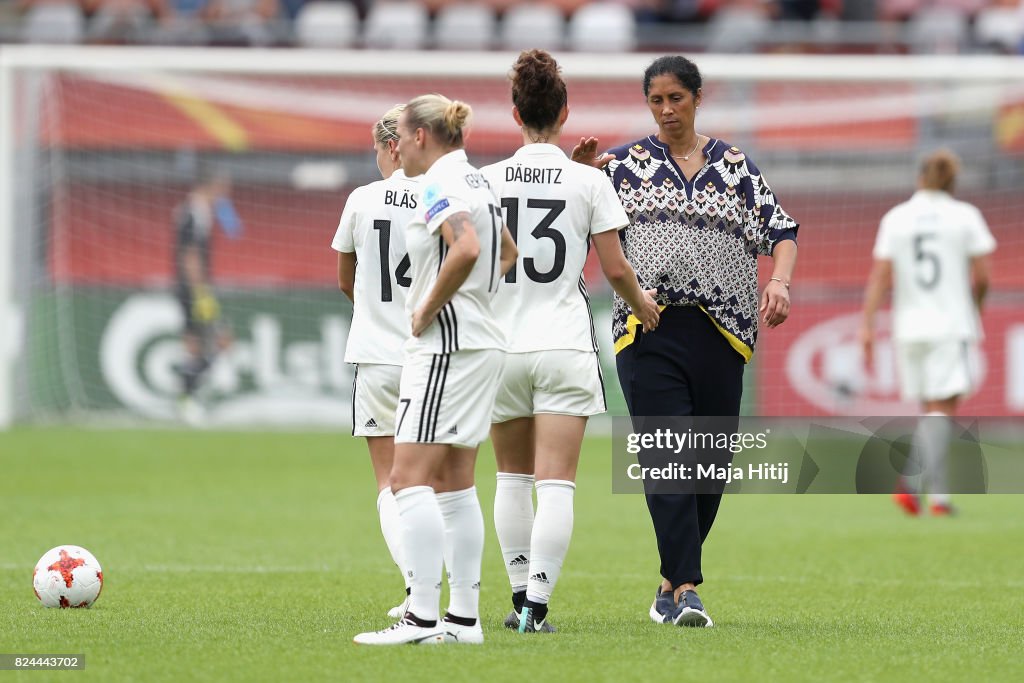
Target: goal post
98	145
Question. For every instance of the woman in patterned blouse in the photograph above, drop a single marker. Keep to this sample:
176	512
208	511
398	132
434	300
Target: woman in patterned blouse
700	213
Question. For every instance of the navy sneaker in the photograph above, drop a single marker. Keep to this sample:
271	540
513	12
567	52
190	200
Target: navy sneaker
690	612
663	608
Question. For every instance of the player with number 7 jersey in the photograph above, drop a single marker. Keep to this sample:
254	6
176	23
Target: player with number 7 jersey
459	249
373	271
466	322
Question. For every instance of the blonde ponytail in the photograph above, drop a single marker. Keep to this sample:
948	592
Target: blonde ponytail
446	120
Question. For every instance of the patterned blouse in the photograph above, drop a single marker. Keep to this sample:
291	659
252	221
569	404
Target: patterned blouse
697	242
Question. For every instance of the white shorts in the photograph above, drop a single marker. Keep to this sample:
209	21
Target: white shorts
933	371
448	398
561	382
374	399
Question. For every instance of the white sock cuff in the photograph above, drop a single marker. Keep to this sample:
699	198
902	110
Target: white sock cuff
560	483
384	493
936	413
513	479
450	498
413	491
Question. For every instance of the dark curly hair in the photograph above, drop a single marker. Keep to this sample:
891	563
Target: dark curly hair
685	71
538	90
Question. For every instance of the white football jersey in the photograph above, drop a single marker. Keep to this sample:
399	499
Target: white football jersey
552	205
930	240
373	226
466	322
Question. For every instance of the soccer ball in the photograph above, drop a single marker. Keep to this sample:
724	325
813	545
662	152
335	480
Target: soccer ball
67	576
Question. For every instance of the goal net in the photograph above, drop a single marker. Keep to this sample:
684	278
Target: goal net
100	145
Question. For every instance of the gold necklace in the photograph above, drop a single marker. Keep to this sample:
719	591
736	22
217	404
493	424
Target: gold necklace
687	157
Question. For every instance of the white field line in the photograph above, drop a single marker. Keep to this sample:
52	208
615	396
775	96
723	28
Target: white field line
631	576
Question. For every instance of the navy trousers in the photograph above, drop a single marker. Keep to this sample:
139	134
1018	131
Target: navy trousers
685	367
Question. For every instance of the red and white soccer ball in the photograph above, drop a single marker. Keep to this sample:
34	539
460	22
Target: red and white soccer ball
67	576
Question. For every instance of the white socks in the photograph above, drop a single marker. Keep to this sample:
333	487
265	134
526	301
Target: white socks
391	527
463	550
422	536
552	531
513	522
448	529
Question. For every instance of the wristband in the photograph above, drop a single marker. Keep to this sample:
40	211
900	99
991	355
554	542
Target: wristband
779	279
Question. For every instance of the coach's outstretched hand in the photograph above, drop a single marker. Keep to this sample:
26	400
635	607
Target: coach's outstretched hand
586	153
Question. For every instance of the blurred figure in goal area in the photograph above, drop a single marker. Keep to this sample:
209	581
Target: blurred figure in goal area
206	333
373	272
447	389
552	381
932	250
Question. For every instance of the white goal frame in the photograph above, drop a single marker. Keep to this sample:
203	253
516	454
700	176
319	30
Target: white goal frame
579	66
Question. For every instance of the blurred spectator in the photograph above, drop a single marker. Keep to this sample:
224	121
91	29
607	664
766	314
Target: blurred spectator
566	7
290	9
122	21
902	10
859	10
808	10
898	10
250	22
644	10
700	10
184	23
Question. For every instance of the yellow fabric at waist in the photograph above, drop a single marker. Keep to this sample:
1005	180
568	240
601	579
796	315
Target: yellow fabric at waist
632	322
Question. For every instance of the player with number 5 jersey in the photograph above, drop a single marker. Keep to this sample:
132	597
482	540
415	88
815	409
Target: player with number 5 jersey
933	251
373	271
554	208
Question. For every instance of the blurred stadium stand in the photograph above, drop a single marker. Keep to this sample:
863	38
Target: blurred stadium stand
726	26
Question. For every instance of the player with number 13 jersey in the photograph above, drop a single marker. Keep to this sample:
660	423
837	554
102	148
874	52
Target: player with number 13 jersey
554	208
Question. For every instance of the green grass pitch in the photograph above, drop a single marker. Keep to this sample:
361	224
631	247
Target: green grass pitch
257	556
